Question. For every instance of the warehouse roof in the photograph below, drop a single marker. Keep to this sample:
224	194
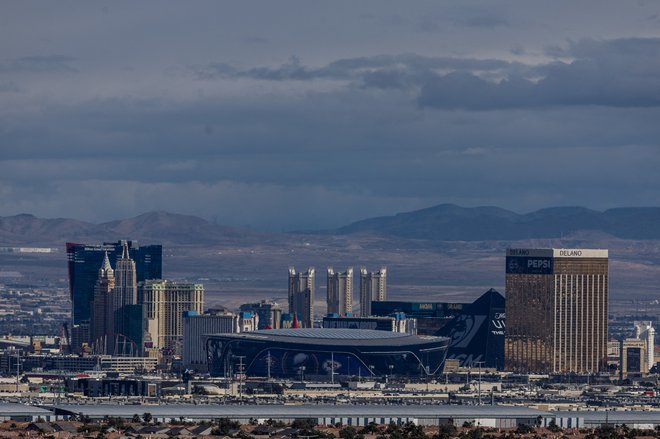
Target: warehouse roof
14	409
612	416
300	411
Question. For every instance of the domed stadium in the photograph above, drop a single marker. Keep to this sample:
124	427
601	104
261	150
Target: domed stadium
317	353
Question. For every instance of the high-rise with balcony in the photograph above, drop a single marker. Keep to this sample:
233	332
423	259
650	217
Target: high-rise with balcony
373	288
301	296
556	310
165	302
340	292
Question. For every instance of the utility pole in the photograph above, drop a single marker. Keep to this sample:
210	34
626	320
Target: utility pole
18	366
241	371
332	367
479	363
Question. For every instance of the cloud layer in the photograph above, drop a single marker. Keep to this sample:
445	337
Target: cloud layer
316	118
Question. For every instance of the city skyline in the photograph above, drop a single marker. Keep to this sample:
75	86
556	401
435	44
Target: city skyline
476	183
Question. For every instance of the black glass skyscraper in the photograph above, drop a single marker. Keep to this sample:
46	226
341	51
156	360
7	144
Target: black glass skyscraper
85	260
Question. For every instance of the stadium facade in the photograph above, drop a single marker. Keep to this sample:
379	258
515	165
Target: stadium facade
317	353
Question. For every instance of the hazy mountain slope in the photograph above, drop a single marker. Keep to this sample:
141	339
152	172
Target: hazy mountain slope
445	222
160	227
27	229
453	223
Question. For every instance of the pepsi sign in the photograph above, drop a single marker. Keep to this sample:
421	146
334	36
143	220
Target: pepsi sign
528	265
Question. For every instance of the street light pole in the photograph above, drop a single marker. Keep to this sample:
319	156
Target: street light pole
18	366
241	370
332	367
479	363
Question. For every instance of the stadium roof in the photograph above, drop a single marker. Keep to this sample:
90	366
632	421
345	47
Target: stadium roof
328	336
341	333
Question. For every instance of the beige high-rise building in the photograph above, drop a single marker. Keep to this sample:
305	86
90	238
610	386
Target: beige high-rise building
165	301
373	288
102	321
556	310
340	292
301	296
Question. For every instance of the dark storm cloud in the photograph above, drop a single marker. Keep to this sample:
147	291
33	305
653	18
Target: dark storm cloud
383	71
354	68
616	73
619	73
38	64
381	109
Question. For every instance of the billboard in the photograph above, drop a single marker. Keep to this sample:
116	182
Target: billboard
528	265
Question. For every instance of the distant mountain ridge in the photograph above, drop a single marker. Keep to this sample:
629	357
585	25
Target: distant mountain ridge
445	222
150	227
449	222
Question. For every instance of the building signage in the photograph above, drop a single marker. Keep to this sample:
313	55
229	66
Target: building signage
541	252
579	253
423	306
557	252
528	265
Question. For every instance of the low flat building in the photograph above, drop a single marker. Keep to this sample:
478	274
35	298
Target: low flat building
99	387
128	364
196	328
75	363
24	413
356	415
270	313
395	323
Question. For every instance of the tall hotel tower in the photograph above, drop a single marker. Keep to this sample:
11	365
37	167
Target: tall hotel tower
340	292
102	328
301	296
556	310
125	289
373	288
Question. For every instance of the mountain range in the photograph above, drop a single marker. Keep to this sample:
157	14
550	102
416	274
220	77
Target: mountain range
448	222
157	226
441	253
445	222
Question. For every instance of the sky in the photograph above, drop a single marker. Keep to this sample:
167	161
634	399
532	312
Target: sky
288	115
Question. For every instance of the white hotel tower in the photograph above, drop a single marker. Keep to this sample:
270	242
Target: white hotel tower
644	331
